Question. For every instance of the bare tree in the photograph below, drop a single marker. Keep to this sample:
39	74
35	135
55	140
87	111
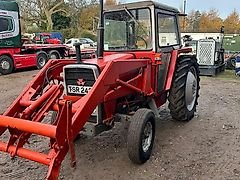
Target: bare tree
41	11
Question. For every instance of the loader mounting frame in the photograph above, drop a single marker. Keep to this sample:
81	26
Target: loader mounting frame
24	117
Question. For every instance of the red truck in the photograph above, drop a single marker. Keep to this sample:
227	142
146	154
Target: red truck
13	53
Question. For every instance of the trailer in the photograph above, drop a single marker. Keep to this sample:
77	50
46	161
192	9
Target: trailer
15	55
210	55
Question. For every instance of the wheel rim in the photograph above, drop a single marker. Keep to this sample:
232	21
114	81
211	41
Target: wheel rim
147	137
191	89
5	65
53	56
41	61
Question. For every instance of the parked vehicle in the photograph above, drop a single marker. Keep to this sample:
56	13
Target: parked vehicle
231	59
45	38
14	54
88	41
70	43
84	43
57	35
86	48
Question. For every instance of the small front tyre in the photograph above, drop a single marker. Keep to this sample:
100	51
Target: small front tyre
141	134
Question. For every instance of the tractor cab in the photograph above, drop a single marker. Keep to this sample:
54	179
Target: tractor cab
147	30
141	26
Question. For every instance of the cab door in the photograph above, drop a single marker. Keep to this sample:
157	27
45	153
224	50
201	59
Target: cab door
168	39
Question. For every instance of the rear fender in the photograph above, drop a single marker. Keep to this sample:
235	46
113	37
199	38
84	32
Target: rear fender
172	66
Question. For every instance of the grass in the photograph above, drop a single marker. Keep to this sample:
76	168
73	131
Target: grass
232	47
228	75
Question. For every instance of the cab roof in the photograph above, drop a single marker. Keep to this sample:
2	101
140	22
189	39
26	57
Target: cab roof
8	5
141	4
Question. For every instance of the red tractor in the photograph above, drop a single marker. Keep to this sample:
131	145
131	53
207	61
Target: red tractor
140	65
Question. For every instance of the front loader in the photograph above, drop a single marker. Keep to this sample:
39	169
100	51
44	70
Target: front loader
140	65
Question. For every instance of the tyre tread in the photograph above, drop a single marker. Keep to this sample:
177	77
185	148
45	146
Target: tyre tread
134	134
176	97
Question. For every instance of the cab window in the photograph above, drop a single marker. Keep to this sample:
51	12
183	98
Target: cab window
6	24
69	42
167	30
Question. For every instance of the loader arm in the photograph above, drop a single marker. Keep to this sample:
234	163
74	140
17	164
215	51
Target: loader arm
24	117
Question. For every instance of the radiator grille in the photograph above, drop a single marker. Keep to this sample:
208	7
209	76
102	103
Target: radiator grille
73	74
206	52
79	73
87	74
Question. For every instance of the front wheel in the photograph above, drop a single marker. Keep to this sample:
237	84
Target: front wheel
141	134
6	65
184	93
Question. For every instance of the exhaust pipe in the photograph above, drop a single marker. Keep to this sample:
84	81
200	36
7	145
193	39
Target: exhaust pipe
100	33
78	52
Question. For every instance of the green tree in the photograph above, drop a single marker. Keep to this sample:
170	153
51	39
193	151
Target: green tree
60	21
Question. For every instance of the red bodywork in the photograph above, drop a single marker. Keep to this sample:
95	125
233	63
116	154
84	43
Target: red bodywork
20	60
47	40
120	75
26	56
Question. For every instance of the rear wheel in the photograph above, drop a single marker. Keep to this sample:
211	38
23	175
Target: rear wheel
141	135
6	65
54	54
42	59
184	93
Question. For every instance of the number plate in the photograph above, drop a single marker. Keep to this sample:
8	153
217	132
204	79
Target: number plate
78	89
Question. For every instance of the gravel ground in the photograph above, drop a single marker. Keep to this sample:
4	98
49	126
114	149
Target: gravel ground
208	147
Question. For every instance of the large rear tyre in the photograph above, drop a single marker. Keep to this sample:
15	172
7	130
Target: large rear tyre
42	59
183	96
6	65
141	134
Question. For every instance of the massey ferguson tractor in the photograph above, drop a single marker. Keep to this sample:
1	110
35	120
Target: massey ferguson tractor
140	64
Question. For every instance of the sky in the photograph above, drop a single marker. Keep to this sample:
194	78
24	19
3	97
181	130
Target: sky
225	7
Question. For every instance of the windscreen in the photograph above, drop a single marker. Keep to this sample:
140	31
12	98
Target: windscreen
127	30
